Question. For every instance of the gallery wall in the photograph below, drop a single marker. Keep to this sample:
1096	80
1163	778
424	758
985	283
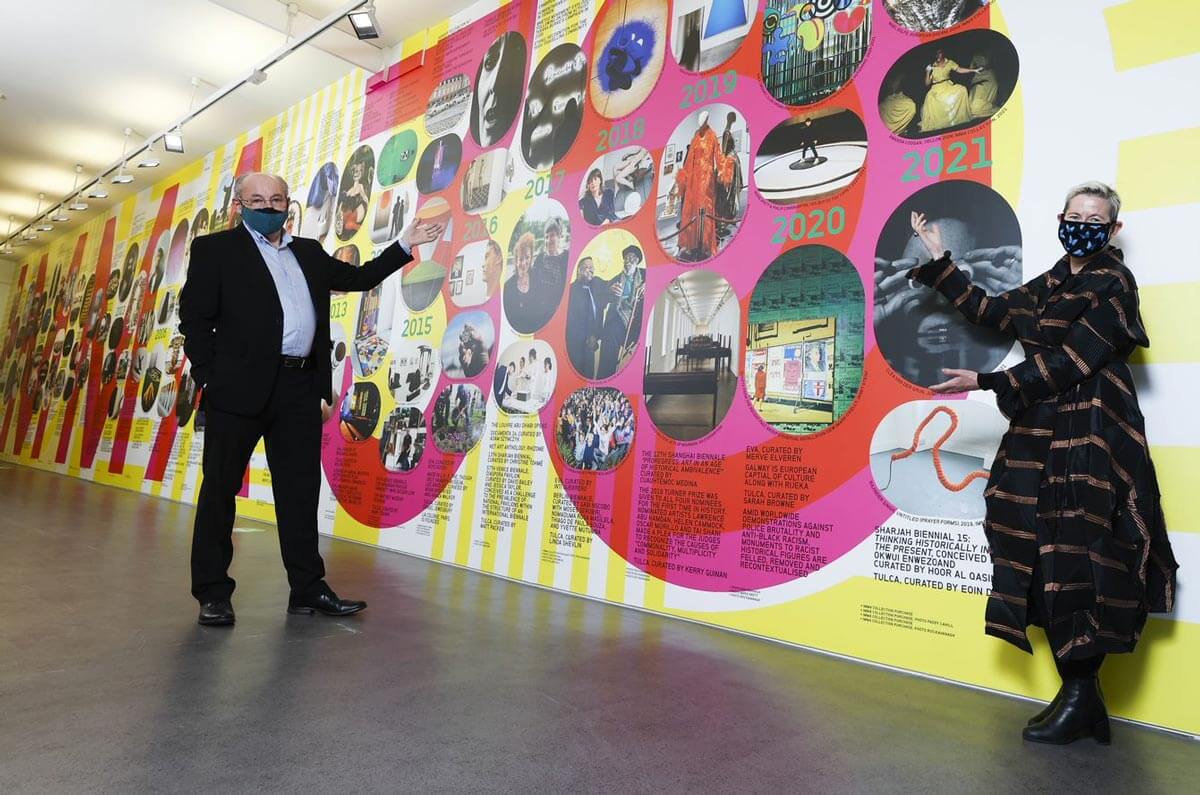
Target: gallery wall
664	354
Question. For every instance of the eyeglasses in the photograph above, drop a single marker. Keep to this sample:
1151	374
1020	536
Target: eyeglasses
258	202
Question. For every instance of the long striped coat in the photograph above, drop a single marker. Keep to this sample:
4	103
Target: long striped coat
1073	490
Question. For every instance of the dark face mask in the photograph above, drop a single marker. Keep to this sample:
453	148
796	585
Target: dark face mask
1083	238
266	221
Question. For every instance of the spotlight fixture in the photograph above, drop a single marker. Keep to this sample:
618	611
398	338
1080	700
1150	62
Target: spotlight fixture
60	215
97	191
364	23
173	141
43	226
78	205
122	178
149	160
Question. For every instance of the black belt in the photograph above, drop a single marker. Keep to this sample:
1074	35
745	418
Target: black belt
298	362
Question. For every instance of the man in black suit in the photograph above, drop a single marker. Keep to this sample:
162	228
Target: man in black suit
254	313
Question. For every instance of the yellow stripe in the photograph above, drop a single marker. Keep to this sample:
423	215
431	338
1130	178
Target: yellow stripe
1143	32
1167	311
489	520
1006	132
1176	468
1159	170
467	505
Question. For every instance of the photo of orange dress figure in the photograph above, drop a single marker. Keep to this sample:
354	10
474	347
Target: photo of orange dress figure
703	169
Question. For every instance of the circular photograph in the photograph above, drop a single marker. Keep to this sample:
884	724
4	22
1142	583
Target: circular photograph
123	364
804	351
175	354
167	395
421	284
435	210
348	254
185	401
690	376
167	306
402	441
810	50
354	193
537	258
468	344
116	399
338	353
151	386
115	331
199	226
398	157
948	84
393	212
525	376
459	414
933	458
706	33
69	388
439	163
113	285
476	273
595	428
810	157
158	269
930	16
702	186
178	251
553	106
604	305
447	106
227	214
108	368
498	84
616	185
486	182
359	413
295	218
629	50
127	271
320	205
919	331
373	329
413	373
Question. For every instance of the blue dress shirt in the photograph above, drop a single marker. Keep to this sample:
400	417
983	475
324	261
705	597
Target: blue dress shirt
299	316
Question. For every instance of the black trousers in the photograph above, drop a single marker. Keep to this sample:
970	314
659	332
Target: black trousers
291	427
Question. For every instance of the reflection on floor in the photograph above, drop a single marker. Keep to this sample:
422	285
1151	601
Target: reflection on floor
915	487
687	417
452	681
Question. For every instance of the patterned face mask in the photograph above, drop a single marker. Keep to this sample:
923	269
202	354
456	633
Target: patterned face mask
1083	238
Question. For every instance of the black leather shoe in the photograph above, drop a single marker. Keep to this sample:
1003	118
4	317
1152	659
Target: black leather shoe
216	614
1045	713
326	603
1080	713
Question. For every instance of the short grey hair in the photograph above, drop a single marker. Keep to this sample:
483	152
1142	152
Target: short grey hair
240	181
1096	188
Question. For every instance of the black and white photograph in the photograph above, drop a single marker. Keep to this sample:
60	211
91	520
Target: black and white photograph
553	106
413	372
498	85
931	16
919	331
486	181
448	105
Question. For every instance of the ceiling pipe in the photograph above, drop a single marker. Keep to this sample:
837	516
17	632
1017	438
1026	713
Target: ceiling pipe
274	58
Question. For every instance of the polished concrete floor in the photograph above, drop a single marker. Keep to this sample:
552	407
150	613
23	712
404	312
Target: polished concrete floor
452	682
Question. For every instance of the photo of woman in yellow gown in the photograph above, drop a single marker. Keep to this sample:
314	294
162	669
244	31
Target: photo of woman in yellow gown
984	89
946	102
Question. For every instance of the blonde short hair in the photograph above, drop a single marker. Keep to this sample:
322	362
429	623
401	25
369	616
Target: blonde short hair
1096	188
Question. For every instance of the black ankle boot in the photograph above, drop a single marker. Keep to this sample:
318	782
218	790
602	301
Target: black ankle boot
1046	710
1080	712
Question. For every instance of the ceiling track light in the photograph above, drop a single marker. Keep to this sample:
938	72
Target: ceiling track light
43	226
149	160
7	248
78	205
364	23
122	178
60	215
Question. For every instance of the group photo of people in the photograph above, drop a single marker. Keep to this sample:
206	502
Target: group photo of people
595	428
617	185
949	84
702	187
459	415
526	373
468	344
402	440
604	306
354	193
537	256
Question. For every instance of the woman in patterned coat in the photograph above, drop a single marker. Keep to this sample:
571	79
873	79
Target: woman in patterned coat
1076	533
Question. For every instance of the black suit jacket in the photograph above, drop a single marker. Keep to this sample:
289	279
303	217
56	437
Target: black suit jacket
232	321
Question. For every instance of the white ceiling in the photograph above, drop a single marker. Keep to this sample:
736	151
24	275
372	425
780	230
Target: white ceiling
700	294
76	73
